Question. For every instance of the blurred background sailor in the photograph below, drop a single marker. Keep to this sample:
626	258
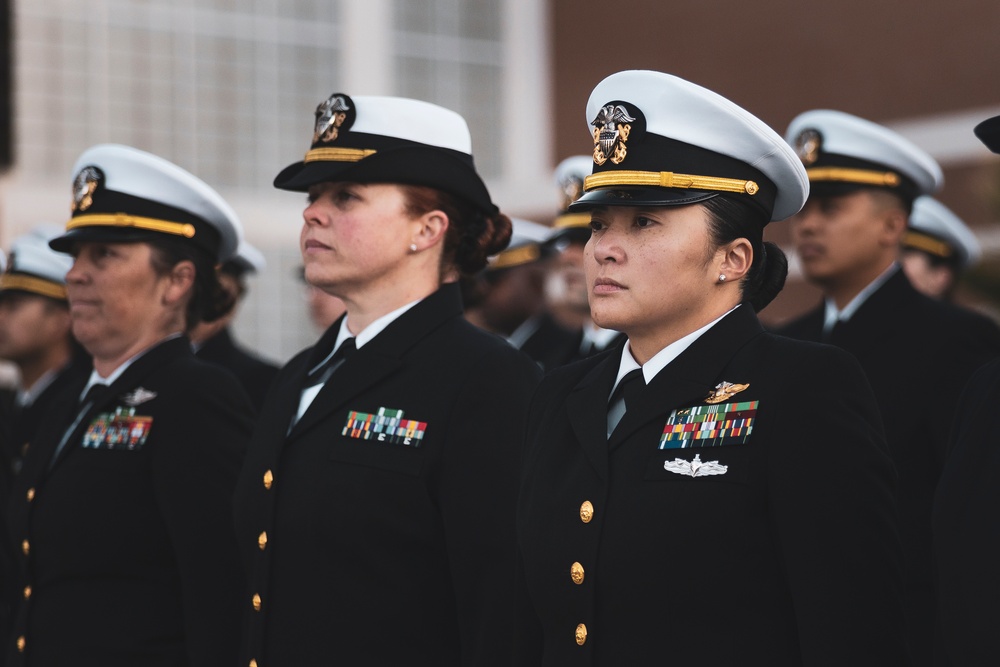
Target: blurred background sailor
122	513
511	298
937	249
966	533
917	352
35	335
566	284
214	342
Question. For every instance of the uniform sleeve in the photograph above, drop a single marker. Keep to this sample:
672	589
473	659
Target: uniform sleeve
478	494
833	513
194	474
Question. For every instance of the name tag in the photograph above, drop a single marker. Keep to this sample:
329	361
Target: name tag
709	425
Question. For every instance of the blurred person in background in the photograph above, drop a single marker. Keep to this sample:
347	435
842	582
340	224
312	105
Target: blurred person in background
917	352
512	301
565	284
937	249
35	336
965	527
213	341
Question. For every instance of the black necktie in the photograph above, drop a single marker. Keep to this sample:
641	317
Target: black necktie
322	373
628	390
93	394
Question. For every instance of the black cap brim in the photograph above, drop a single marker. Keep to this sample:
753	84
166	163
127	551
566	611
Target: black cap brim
989	133
639	195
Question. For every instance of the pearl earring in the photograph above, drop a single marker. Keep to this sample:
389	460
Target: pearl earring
413	247
722	277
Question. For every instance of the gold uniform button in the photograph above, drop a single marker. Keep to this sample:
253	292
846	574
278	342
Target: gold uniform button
268	479
25	547
586	511
27	592
576	573
31	494
262	540
253	663
256	602
20	643
581	634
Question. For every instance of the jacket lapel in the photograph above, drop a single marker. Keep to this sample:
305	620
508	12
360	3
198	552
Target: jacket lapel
590	423
381	357
151	360
689	377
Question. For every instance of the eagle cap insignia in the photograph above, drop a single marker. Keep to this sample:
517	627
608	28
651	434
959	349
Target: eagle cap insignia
138	396
611	129
332	116
724	391
695	468
85	185
808	144
572	189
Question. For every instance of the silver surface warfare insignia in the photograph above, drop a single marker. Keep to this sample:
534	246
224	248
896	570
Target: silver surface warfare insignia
84	186
724	391
121	429
807	145
695	468
138	396
330	115
611	130
386	425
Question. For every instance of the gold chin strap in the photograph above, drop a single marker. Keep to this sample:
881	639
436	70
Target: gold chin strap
668	179
33	285
567	220
516	257
862	176
919	241
338	154
121	220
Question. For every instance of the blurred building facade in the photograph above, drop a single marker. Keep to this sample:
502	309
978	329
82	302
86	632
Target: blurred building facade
227	88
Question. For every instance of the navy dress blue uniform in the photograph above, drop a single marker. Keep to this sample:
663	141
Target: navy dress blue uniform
254	373
789	557
125	539
917	353
363	550
964	522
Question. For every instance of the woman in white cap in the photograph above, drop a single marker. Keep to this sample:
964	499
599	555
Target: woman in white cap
121	515
375	509
708	493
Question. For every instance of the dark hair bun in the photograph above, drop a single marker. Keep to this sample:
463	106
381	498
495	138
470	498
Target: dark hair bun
768	280
487	236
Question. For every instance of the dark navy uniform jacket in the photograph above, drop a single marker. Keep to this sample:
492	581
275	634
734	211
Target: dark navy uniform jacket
366	547
632	554
253	373
917	353
966	529
125	540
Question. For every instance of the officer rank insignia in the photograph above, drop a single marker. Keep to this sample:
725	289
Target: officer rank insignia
611	130
121	429
709	425
385	426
